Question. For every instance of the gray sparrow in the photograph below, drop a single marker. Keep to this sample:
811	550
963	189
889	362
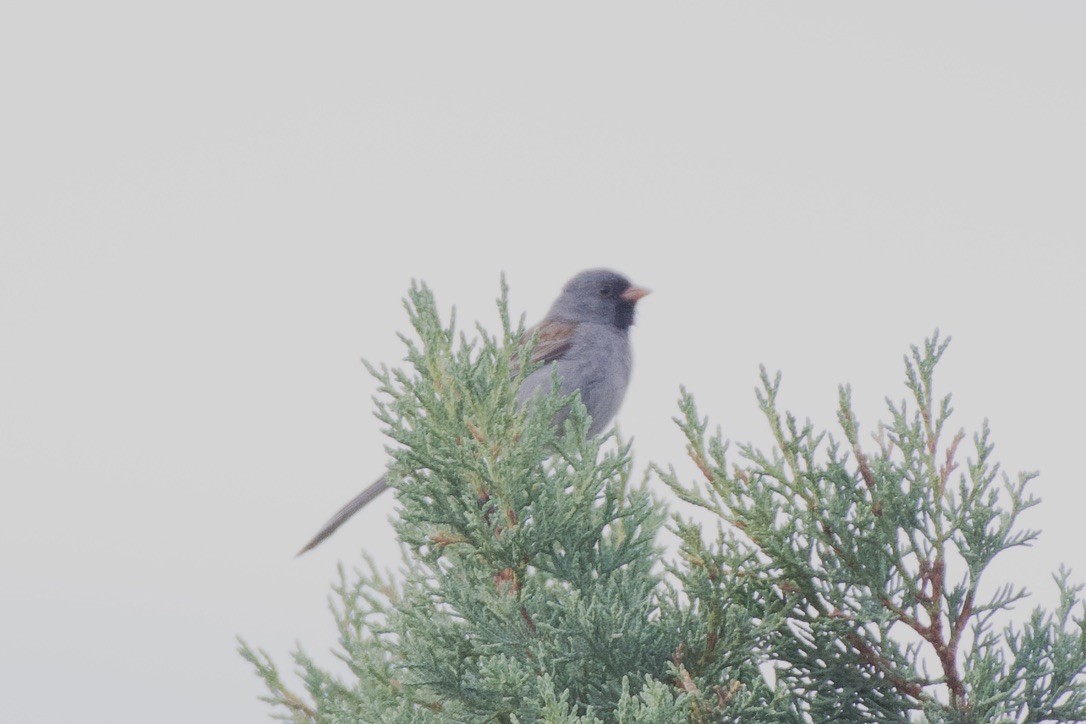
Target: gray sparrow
585	338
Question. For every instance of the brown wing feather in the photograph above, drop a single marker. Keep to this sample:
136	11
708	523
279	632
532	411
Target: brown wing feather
555	339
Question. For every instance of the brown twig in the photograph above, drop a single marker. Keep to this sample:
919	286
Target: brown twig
881	663
702	464
950	465
865	467
506	581
475	432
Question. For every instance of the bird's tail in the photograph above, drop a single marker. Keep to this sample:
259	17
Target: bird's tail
356	504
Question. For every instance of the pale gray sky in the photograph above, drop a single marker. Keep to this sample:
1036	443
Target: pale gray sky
209	212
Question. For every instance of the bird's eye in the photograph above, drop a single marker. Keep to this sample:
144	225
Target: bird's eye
607	291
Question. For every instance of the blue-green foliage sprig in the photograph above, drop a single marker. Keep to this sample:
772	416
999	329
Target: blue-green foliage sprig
872	560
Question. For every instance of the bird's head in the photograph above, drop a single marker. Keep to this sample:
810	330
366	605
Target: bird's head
598	296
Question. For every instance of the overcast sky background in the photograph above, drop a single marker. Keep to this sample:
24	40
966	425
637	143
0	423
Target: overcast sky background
209	212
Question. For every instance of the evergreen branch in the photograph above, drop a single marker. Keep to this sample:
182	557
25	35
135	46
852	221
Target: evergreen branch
280	694
534	589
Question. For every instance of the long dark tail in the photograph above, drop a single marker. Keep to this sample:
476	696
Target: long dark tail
356	504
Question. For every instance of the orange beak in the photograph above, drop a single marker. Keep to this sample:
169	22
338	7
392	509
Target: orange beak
634	293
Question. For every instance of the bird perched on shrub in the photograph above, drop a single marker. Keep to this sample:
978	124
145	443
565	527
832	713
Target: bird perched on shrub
585	338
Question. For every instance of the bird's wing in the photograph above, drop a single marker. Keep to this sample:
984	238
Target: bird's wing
555	339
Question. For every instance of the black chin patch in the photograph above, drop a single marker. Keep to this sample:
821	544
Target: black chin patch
624	314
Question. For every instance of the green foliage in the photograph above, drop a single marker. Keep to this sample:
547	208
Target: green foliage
877	557
535	589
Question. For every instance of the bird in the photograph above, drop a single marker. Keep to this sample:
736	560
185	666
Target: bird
585	338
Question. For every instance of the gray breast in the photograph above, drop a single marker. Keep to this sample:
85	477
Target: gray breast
597	364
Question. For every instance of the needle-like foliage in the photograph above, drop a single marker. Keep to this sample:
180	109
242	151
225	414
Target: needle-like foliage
844	582
877	555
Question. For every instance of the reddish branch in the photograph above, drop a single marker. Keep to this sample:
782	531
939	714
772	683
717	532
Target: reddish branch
868	477
931	574
881	663
475	432
945	650
866	651
950	465
865	468
527	619
703	466
506	581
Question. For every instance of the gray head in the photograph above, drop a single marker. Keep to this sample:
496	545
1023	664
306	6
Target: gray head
600	296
